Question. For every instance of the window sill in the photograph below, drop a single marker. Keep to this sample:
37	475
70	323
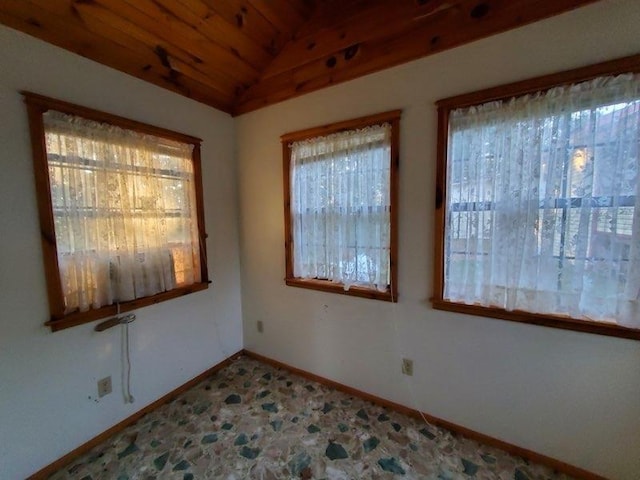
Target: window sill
554	321
79	318
327	286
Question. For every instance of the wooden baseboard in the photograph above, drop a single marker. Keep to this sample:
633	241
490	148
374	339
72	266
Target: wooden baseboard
556	465
85	447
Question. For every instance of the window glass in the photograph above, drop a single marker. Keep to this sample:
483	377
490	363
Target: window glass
120	211
543	203
340	214
124	209
341	207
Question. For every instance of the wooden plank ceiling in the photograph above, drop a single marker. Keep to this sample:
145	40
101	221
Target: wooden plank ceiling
241	55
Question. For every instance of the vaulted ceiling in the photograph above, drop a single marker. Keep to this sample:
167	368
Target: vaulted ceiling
241	55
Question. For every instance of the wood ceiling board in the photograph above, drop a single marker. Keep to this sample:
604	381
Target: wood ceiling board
246	18
331	12
205	56
353	28
170	23
41	24
282	14
305	7
466	23
211	25
113	30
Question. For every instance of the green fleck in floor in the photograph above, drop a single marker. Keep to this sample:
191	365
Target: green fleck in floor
253	421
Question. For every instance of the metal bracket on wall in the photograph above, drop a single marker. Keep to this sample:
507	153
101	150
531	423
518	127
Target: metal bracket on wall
112	322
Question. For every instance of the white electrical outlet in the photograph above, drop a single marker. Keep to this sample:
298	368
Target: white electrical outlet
407	366
260	326
104	386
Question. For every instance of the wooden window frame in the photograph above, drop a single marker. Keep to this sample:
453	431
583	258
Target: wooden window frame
630	64
392	118
37	105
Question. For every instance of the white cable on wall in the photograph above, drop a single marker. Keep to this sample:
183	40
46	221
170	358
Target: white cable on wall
126	359
398	349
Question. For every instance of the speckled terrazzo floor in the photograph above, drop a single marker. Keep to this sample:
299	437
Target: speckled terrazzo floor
251	420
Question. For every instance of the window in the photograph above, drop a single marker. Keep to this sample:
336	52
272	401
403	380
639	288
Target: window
538	204
120	211
340	189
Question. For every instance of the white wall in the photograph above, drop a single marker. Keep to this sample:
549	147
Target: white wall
572	396
48	380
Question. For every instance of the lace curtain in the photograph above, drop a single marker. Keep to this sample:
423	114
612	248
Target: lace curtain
543	200
124	210
340	204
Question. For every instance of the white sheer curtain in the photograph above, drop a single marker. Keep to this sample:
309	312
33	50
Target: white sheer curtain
543	202
124	210
340	204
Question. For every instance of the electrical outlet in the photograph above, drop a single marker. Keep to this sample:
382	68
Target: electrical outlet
407	366
260	326
104	386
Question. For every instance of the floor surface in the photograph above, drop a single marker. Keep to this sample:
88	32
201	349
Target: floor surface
253	421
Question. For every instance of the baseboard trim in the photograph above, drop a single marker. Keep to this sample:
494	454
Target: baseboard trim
85	447
556	465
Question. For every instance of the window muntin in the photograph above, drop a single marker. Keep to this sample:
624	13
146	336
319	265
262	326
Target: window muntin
541	209
121	212
340	214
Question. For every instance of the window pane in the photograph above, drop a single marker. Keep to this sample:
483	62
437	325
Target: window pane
124	212
542	202
340	202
